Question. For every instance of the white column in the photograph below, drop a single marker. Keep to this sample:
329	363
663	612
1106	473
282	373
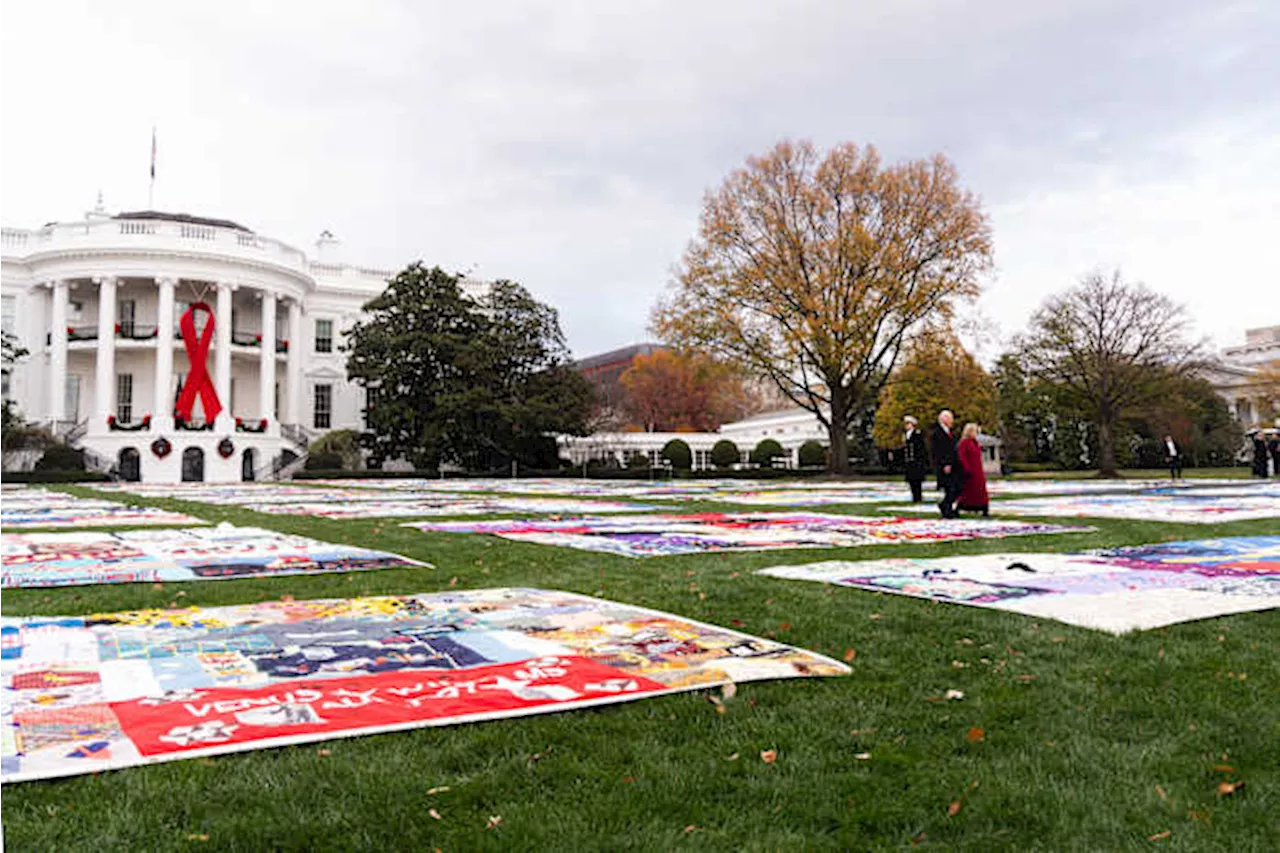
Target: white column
293	370
162	415
105	379
267	365
58	353
222	364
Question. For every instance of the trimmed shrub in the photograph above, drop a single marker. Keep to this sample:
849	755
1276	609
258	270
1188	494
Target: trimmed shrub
767	451
725	454
60	457
344	443
812	454
677	452
324	461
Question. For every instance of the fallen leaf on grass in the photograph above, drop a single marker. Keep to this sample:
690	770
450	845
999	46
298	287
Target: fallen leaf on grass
453	581
1159	836
691	828
494	820
975	735
431	792
1224	768
1195	815
197	836
435	814
737	623
785	626
849	655
863	756
769	756
323	753
1164	795
953	809
733	757
953	694
714	700
1025	679
1226	789
538	756
876	616
917	840
729	691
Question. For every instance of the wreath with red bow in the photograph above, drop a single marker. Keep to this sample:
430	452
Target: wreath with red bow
161	447
225	448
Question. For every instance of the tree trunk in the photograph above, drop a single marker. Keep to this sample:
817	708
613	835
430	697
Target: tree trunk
1106	446
838	432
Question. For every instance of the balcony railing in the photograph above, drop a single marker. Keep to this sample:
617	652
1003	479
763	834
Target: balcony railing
141	332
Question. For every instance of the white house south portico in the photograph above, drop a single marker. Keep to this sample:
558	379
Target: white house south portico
178	347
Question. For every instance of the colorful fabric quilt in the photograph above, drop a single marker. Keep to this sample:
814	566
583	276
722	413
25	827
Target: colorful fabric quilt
239	494
664	535
203	553
116	690
1116	590
28	508
812	497
449	505
1187	508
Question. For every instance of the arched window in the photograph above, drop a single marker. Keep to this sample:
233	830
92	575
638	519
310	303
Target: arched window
247	464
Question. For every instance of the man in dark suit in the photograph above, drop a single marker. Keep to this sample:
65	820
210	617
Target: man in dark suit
1259	453
914	459
947	463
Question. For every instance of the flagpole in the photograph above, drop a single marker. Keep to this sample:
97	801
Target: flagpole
151	189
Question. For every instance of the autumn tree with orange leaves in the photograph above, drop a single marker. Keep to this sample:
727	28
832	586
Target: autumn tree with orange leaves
668	391
814	270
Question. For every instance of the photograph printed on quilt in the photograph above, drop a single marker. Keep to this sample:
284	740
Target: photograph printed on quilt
116	690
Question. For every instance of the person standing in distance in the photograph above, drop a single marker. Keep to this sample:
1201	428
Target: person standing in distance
973	493
947	463
914	459
1259	453
1172	458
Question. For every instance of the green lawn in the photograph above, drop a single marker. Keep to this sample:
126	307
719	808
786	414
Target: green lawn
1088	741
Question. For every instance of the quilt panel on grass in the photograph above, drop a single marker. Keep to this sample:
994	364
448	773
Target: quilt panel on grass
28	508
1181	508
663	535
1116	590
121	689
446	505
149	556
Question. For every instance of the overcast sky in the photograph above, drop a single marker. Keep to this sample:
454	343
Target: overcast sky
568	145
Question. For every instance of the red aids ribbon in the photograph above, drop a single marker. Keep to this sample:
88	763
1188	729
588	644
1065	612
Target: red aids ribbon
198	379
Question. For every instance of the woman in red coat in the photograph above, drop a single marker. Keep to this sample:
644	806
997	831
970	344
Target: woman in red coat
973	492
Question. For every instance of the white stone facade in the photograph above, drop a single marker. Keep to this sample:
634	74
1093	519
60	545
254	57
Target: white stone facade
1236	373
97	304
